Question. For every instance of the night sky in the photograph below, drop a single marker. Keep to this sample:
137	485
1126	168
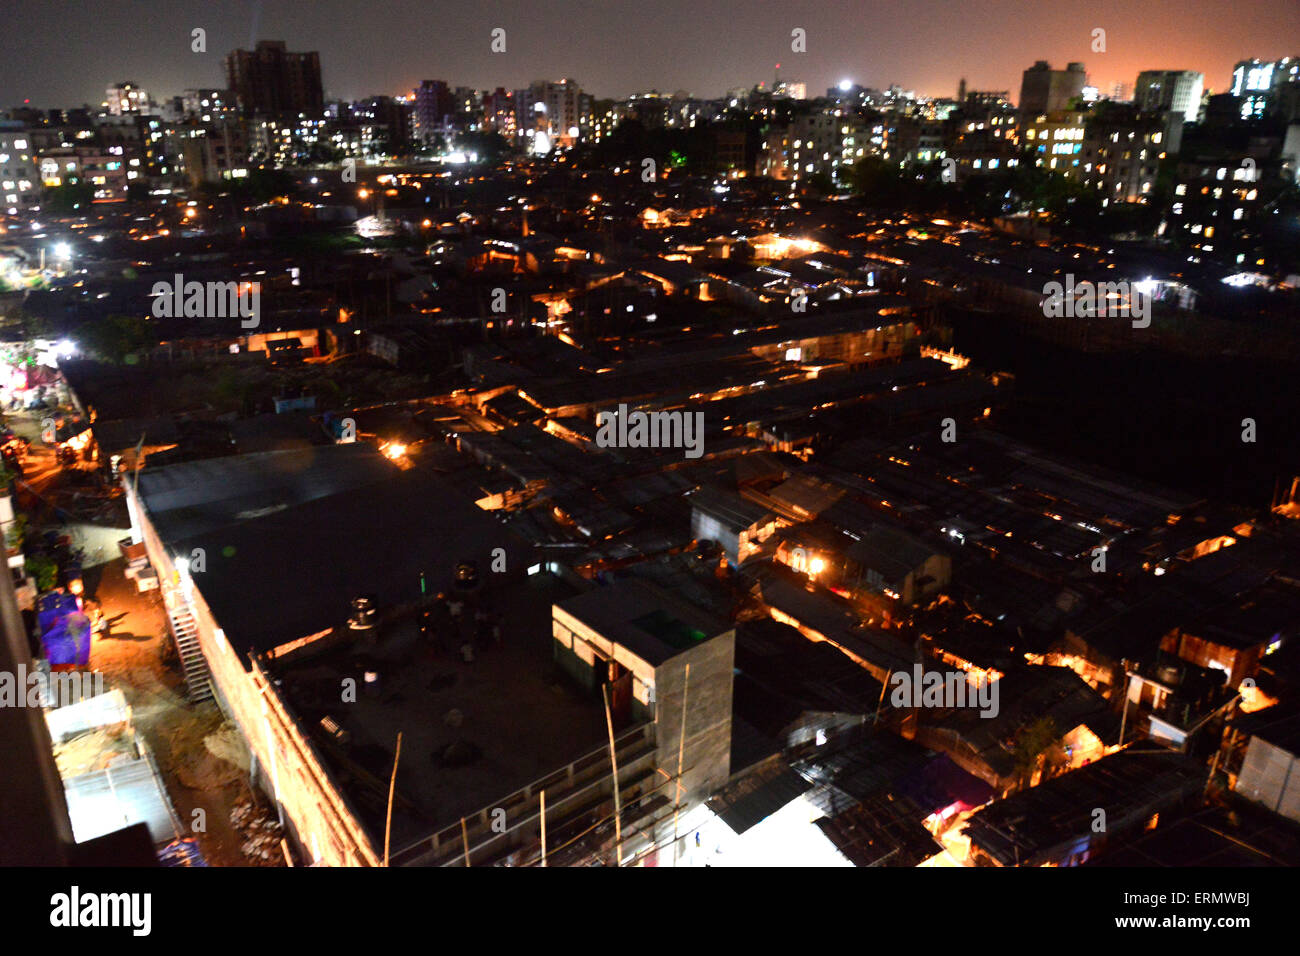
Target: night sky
59	53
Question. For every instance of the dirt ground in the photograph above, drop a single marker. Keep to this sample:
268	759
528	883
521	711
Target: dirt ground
137	655
199	754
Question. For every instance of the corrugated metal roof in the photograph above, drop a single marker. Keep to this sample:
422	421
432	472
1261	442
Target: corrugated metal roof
121	795
750	800
199	497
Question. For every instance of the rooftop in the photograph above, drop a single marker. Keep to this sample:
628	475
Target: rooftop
510	717
290	538
644	618
1061	810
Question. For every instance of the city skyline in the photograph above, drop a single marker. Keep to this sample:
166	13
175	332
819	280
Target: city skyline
676	51
548	436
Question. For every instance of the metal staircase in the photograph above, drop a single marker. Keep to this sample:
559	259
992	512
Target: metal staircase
198	679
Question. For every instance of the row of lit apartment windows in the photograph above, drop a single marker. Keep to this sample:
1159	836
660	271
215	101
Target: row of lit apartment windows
1245	195
1239	173
993	163
1060	132
1237	213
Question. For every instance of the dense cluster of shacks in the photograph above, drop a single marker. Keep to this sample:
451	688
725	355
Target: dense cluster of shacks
857	515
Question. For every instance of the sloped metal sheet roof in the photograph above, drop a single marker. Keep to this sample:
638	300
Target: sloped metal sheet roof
121	795
756	796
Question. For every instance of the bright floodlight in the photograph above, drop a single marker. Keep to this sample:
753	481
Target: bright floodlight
62	250
846	85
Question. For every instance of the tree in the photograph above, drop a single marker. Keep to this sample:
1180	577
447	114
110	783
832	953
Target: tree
67	198
487	145
44	570
137	191
259	186
266	184
115	337
1033	743
820	184
16	532
878	182
319	154
434	145
34	326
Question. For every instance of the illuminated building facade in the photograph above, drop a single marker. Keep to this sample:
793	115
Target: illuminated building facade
19	185
1262	86
121	98
1177	90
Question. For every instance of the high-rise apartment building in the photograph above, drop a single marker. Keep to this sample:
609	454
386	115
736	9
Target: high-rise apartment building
1177	90
20	188
551	113
1122	149
1262	86
433	107
1044	90
1054	138
272	81
127	97
207	105
499	112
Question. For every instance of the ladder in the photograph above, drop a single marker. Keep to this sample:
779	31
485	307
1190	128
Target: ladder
198	679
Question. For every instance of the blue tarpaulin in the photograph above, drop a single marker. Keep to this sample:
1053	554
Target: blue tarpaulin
68	641
184	852
53	606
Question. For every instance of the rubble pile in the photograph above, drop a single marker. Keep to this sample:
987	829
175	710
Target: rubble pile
262	834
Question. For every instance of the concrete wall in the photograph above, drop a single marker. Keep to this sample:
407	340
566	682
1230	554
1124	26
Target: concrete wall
705	527
288	767
938	567
657	693
706	758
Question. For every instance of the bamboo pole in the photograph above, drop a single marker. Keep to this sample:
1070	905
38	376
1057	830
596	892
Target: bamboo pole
681	749
543	828
613	760
883	688
392	788
1123	720
464	835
